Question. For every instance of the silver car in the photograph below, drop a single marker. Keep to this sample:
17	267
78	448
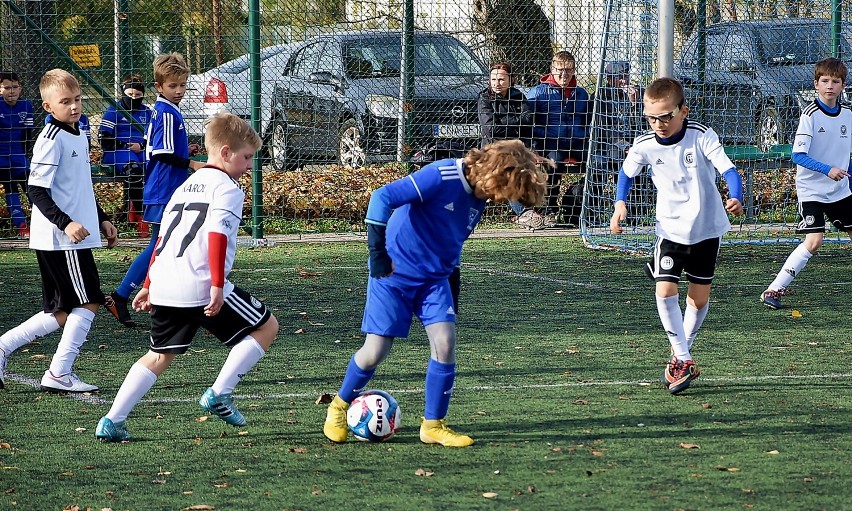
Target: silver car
227	88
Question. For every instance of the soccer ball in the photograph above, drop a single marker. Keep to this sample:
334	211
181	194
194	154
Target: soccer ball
373	416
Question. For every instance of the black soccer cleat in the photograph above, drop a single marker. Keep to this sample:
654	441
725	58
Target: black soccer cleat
117	306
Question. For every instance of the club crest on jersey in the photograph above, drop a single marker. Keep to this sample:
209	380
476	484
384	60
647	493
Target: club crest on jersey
689	158
255	303
842	130
471	218
23	116
666	263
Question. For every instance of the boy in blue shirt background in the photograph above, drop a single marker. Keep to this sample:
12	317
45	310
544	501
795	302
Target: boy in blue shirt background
16	140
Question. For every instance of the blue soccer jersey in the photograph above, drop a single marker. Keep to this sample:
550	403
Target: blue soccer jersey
15	122
429	215
118	127
166	135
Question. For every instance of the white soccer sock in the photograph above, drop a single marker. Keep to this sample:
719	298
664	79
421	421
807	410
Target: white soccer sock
137	383
692	321
672	319
37	326
794	264
242	358
74	334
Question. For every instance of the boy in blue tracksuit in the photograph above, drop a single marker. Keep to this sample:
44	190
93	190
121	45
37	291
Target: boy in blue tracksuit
16	139
416	227
561	121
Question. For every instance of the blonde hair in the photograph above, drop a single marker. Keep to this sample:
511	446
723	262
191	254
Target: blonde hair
170	65
226	129
563	57
665	88
57	79
506	171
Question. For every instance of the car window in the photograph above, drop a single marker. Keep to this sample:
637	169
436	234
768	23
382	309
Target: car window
689	55
307	60
717	57
329	59
240	64
798	44
739	47
432	56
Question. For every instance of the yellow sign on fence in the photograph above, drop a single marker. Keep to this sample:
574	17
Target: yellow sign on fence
86	55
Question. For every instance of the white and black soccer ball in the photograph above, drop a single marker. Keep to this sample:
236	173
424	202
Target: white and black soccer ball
373	416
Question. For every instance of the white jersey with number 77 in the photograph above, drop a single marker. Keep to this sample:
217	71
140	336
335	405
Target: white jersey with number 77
208	202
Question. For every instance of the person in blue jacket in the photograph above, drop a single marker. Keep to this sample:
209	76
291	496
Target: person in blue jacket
561	122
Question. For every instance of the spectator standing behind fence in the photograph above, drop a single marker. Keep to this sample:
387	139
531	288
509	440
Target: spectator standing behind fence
16	140
66	221
561	121
124	145
504	113
821	154
168	164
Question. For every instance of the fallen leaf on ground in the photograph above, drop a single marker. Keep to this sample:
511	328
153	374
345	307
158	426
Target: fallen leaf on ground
489	495
773	451
796	314
199	507
684	445
298	450
324	399
203	418
423	473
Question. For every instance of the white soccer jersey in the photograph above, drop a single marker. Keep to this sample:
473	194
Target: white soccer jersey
209	201
60	163
827	139
689	207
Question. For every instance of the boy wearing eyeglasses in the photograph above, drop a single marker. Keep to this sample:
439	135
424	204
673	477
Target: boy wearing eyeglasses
821	154
560	122
16	140
684	157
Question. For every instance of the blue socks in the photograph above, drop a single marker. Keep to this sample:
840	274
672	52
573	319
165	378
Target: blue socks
135	276
439	389
354	381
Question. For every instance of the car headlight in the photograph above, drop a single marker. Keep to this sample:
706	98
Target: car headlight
383	106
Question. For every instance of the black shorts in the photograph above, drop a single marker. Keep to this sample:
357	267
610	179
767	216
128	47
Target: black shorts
670	259
172	328
69	279
812	215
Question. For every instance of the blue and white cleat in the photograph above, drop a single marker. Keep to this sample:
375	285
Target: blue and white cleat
222	406
110	431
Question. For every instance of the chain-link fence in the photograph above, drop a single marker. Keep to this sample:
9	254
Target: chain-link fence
333	73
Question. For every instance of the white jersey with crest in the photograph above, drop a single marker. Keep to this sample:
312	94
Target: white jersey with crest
827	138
209	201
689	206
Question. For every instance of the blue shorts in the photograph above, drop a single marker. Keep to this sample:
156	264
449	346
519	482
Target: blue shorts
154	213
392	301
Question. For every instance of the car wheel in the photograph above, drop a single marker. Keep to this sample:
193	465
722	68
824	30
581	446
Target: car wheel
769	131
277	146
350	152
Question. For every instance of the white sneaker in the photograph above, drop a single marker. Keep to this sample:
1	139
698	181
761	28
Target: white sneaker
68	383
3	358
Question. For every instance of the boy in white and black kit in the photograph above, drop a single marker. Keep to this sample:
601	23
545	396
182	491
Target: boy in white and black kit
684	157
187	287
821	154
66	219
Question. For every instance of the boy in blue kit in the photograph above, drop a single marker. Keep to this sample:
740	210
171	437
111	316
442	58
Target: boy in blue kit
124	145
168	164
684	157
821	154
16	139
65	225
416	227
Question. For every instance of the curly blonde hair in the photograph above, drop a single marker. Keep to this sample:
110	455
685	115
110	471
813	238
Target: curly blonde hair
506	171
170	66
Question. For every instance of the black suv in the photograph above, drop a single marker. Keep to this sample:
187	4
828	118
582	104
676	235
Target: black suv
759	75
338	98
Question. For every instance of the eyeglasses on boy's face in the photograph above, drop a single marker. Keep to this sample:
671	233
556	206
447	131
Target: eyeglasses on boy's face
563	70
662	118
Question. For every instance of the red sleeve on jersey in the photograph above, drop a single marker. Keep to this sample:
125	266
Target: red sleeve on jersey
147	283
217	247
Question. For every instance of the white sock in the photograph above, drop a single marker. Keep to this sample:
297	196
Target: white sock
794	264
692	321
242	358
672	319
37	326
137	383
73	336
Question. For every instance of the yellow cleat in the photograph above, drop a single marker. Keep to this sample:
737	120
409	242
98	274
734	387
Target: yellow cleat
437	432
335	427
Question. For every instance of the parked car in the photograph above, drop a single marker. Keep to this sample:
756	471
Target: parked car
337	100
759	75
227	88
